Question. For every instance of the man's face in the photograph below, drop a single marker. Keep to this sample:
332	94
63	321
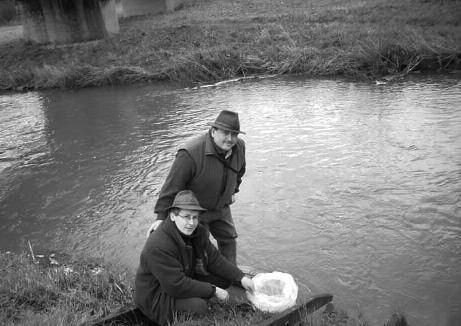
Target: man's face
186	220
224	139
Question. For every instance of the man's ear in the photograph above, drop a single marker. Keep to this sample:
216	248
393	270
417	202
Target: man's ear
171	215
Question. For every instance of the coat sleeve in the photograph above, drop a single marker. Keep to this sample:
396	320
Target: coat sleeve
168	270
242	171
181	173
220	266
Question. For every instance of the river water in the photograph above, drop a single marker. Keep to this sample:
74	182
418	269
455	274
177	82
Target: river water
353	188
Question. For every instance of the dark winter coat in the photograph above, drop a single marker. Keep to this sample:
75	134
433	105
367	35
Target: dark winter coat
167	267
198	166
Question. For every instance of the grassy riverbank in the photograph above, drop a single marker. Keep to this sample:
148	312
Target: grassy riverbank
75	292
64	294
61	290
211	40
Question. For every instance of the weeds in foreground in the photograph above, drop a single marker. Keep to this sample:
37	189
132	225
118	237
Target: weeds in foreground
31	294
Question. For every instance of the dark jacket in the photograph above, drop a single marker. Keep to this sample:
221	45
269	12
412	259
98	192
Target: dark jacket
198	166
167	267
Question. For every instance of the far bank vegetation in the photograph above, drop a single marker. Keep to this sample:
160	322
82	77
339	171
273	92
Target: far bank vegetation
211	40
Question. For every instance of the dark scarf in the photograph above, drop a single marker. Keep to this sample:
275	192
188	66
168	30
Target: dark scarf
192	244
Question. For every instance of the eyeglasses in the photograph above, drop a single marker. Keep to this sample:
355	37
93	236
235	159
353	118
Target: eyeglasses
189	217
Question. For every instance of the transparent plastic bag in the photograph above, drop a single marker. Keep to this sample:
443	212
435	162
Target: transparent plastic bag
274	292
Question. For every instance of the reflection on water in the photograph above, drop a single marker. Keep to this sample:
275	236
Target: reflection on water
353	188
22	126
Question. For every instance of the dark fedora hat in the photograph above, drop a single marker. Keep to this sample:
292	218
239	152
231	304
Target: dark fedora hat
185	199
227	120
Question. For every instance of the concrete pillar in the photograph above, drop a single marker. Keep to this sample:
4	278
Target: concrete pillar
109	15
119	8
172	5
68	21
145	7
7	11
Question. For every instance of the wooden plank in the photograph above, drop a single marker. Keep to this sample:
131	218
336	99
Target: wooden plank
298	313
131	316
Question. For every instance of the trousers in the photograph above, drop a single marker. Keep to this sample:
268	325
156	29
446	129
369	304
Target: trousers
221	226
199	305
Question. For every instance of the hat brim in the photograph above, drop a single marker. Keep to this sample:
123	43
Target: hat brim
225	128
189	207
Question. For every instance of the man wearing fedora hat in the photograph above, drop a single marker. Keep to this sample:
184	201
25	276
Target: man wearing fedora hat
212	166
180	268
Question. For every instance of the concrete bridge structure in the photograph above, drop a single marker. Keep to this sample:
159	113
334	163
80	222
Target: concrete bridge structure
7	11
69	21
145	7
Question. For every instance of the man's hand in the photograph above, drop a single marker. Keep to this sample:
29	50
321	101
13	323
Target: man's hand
222	294
248	284
153	227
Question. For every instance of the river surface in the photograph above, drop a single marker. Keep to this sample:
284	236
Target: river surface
353	188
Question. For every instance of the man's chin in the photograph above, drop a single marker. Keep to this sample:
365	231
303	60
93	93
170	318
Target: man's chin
227	147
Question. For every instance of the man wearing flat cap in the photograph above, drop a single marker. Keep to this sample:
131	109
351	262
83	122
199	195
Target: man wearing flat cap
212	166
